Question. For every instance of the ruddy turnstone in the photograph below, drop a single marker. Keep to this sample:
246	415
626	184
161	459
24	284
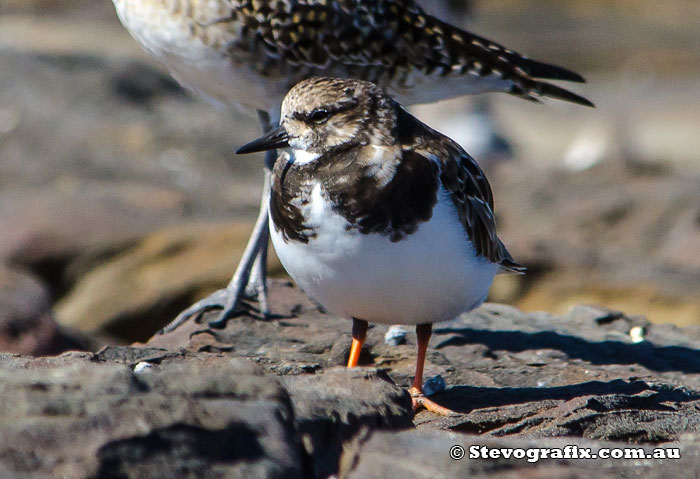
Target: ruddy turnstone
248	53
377	216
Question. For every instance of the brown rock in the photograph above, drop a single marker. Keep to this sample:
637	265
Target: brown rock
26	323
179	418
139	290
147	412
59	235
594	373
332	406
184	401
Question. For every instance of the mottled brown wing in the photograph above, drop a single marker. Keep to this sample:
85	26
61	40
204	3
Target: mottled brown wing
395	38
461	176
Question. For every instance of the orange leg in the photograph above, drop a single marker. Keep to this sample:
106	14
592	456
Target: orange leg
359	333
423	332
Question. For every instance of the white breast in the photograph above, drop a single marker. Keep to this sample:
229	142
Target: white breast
432	275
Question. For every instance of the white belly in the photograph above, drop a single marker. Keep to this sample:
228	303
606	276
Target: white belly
432	275
186	38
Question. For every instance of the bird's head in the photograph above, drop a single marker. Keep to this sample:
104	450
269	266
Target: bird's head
321	114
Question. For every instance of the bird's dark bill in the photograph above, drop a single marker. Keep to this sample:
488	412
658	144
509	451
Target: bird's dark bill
273	140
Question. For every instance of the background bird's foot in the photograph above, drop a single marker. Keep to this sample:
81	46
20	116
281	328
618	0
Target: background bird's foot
233	301
257	285
228	300
420	401
258	292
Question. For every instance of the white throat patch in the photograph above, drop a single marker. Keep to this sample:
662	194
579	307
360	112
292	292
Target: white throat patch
302	157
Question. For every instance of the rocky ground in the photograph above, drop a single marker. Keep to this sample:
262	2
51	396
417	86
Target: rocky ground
114	181
270	398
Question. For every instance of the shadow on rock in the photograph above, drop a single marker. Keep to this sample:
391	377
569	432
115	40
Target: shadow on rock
655	358
623	394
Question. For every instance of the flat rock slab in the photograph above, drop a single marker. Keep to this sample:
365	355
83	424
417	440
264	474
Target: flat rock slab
148	412
270	398
592	374
213	418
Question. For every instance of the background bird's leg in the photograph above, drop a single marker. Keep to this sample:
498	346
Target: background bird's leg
257	286
251	275
254	259
227	299
237	286
423	333
359	333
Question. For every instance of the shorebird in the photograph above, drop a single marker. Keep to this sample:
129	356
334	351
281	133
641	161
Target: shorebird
377	216
248	53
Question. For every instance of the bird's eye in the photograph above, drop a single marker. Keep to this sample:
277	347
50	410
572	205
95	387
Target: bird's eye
319	116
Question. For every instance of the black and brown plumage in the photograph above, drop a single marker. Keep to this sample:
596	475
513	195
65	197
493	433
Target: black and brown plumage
377	216
248	53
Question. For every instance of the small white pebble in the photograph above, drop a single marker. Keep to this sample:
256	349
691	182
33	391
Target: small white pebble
434	385
142	367
637	334
541	384
395	336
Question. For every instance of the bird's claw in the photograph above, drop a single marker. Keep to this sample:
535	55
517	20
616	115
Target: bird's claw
419	401
224	299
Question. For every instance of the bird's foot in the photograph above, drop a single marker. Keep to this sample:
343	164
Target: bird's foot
229	301
258	293
420	401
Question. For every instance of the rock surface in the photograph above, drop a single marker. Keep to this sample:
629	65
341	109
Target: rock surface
267	398
594	373
332	406
145	412
27	325
129	294
379	455
214	417
508	372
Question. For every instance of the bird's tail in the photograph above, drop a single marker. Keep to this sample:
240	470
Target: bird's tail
521	76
